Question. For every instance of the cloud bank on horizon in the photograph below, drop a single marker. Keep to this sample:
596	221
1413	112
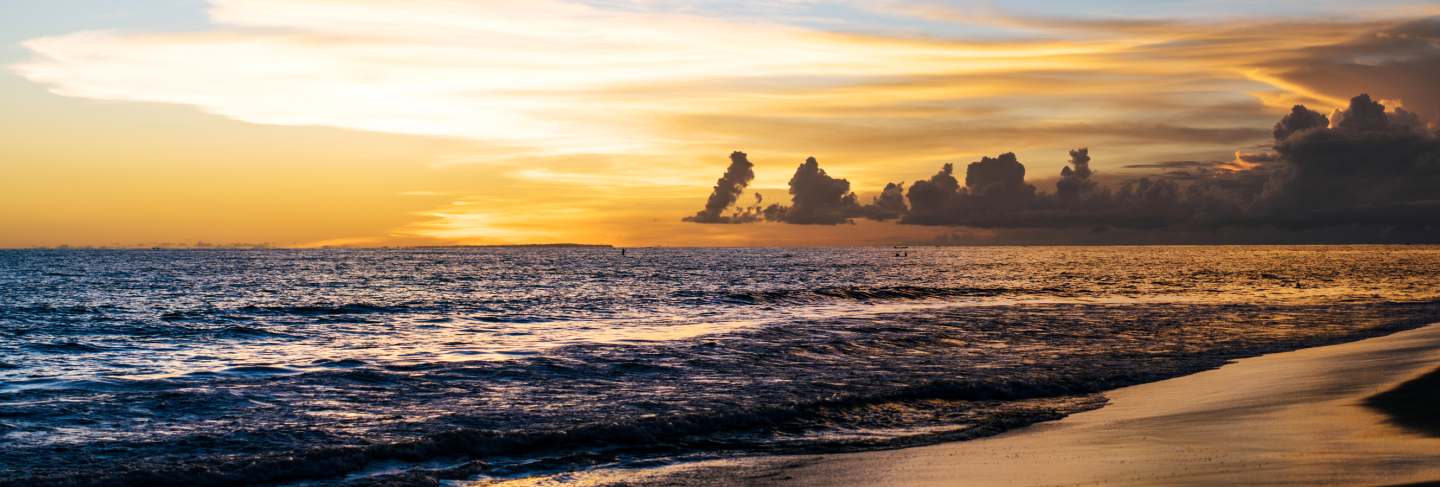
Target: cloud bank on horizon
1361	166
613	104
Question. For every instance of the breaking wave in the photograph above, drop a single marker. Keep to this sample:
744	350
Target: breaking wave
405	367
860	294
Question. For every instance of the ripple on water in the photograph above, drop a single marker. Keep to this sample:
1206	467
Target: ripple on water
258	366
64	347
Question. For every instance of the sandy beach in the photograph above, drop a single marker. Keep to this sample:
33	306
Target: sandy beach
1295	418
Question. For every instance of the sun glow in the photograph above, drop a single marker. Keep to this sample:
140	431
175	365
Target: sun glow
611	117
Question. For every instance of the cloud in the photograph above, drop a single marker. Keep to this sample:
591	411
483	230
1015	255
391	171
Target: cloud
935	199
1397	62
1372	166
1365	166
998	183
1174	165
816	198
888	205
1299	118
548	77
993	187
727	191
1075	188
542	80
555	76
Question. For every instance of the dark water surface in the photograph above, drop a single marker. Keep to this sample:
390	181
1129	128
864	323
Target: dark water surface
243	367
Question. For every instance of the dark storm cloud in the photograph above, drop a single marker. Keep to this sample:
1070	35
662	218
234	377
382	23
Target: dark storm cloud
1078	201
1364	167
935	200
1075	178
888	205
1394	63
1299	118
994	187
820	199
727	191
816	198
998	183
1373	166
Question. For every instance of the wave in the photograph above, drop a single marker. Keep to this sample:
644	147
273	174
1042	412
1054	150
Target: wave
308	310
513	318
65	346
861	294
281	310
246	332
339	364
51	385
259	370
743	430
798	388
53	310
326	309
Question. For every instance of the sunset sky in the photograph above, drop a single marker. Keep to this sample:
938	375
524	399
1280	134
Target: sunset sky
389	122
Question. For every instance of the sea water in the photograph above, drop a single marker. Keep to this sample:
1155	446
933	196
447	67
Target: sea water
238	367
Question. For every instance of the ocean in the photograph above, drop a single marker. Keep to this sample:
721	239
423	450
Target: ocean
411	366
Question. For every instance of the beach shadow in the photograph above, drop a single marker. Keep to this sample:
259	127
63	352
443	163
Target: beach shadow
1413	405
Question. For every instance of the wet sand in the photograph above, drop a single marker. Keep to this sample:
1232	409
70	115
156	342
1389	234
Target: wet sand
1317	416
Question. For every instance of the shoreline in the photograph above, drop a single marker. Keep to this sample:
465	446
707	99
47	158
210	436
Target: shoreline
1303	417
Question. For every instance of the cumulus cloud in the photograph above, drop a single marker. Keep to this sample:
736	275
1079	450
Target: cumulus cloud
816	198
1363	167
889	204
1299	118
998	183
993	187
1372	166
727	191
934	200
1075	178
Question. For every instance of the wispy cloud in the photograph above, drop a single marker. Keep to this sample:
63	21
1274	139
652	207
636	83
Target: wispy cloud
532	72
564	77
609	96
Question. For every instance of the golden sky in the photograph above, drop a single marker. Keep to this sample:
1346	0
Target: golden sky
381	122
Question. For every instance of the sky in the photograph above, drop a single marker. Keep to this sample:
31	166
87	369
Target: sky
434	122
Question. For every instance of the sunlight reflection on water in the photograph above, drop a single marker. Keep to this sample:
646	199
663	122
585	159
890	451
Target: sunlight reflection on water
533	358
